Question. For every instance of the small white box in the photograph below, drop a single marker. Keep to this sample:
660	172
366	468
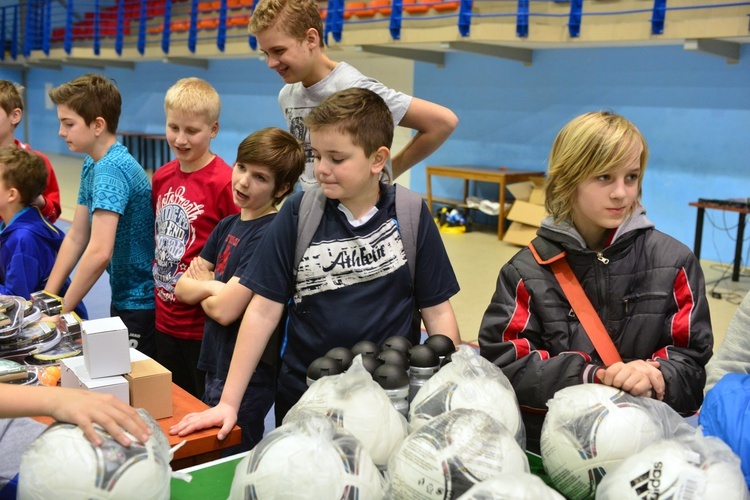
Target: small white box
73	373
106	347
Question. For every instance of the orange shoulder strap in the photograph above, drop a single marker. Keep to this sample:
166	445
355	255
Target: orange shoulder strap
581	304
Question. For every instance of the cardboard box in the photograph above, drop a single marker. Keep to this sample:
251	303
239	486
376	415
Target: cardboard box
150	387
519	234
520	190
537	196
106	347
73	373
527	213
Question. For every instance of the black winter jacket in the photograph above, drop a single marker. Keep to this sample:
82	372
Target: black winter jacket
649	292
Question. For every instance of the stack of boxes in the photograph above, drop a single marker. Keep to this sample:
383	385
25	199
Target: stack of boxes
108	365
526	213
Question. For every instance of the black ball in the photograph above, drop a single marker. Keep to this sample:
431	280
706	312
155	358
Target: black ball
423	356
441	344
343	355
391	377
365	347
399	343
323	367
394	357
370	363
447	359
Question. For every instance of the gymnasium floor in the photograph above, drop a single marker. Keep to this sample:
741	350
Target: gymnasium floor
476	258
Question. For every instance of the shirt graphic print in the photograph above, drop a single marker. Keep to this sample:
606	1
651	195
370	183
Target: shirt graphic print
333	264
175	233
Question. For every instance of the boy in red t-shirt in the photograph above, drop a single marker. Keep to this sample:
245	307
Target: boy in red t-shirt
191	194
11	113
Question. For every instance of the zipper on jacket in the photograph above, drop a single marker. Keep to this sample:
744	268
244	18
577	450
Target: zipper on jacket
601	258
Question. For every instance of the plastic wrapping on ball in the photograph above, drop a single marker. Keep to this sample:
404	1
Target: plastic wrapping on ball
451	453
512	486
62	463
591	428
358	404
470	381
309	458
686	466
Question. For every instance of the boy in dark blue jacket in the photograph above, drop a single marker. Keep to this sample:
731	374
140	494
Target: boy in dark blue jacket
28	242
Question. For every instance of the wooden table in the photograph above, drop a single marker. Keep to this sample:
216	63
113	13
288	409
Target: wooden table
200	447
500	175
741	210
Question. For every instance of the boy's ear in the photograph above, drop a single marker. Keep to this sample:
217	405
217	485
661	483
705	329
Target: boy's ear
281	190
100	125
312	38
214	130
14	196
15	116
379	159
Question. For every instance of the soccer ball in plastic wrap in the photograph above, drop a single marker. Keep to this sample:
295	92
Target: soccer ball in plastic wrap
693	467
588	431
450	454
512	486
469	381
358	404
310	458
62	463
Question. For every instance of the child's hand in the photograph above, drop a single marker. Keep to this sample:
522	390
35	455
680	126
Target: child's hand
199	271
638	377
221	415
84	408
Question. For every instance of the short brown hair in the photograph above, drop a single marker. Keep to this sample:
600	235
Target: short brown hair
360	113
10	96
24	171
194	96
294	16
91	96
278	150
589	145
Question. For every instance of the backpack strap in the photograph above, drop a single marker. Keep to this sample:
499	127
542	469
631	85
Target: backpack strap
309	215
590	320
408	212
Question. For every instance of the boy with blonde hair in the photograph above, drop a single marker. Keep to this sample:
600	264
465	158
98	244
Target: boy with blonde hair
290	34
113	209
28	242
647	287
11	113
354	281
191	194
269	162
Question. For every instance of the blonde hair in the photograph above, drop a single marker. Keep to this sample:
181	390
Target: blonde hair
91	96
24	171
296	17
10	96
590	145
194	96
279	151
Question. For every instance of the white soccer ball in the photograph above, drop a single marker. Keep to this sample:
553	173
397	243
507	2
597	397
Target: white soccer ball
512	486
676	469
588	431
451	453
311	458
469	381
358	404
62	463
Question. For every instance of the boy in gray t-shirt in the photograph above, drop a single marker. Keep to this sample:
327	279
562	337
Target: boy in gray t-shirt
289	33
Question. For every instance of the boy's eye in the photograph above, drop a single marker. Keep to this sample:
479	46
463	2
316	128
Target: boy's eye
603	177
337	160
632	177
260	177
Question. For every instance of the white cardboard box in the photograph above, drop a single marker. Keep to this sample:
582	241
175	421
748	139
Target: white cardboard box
73	373
105	347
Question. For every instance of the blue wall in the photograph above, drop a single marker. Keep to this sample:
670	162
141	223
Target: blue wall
694	110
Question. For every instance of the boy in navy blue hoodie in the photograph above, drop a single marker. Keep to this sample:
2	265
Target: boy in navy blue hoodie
28	242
